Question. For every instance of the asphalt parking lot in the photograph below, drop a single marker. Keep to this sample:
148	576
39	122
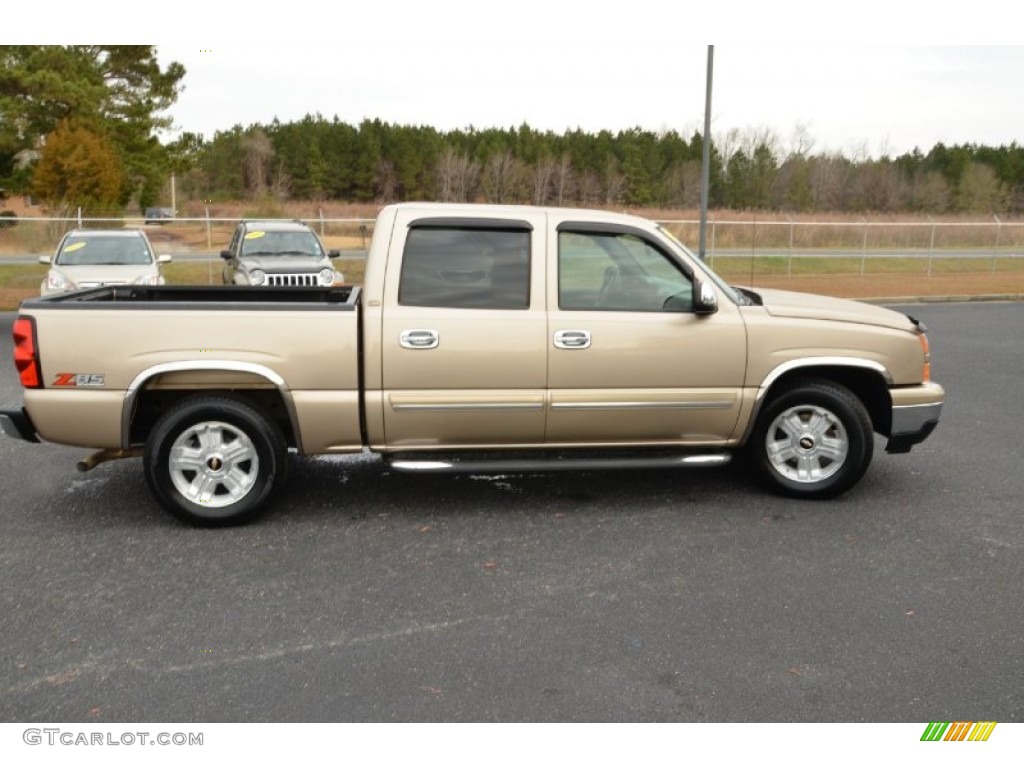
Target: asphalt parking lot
637	596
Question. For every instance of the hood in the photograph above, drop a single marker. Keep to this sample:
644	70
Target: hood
814	307
105	274
285	263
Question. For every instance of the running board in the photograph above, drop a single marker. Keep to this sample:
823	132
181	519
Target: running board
558	463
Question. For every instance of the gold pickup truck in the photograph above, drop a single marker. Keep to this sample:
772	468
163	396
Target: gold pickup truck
485	338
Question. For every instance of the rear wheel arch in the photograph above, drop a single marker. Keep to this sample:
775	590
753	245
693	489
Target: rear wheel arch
153	393
151	404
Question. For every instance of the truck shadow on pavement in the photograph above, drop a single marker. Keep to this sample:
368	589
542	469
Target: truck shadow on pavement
365	487
321	489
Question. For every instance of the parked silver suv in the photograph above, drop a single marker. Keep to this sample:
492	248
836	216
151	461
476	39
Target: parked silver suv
277	253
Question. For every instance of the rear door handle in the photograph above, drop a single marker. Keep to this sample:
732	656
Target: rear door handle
573	339
419	338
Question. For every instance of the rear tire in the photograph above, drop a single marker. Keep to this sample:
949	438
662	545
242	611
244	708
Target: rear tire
214	461
813	441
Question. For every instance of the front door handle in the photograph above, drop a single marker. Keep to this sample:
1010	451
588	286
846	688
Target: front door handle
572	339
419	338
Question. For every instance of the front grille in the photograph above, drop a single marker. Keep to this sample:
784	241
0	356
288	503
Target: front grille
292	280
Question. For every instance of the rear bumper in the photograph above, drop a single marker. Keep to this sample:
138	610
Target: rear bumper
913	421
14	422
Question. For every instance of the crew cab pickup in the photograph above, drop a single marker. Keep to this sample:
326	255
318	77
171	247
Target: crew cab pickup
484	338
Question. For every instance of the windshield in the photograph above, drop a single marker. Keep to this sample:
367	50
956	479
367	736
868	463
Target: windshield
733	294
266	243
93	250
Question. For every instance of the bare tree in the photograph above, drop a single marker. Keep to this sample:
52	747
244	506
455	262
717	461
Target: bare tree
387	183
754	138
878	186
591	190
685	184
829	178
258	154
469	179
801	142
281	186
543	180
502	178
929	191
615	183
727	144
458	177
564	181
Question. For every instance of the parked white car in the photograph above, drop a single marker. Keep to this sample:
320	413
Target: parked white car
88	258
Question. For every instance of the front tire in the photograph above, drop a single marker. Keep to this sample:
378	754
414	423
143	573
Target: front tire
214	461
813	441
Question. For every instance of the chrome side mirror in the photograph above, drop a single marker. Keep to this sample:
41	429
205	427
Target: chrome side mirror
707	299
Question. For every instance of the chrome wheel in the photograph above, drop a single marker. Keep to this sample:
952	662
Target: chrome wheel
813	440
214	460
214	464
807	444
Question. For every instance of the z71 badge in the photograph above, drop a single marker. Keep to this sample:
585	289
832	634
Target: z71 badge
93	380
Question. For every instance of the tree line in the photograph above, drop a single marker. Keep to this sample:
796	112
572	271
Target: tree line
82	126
374	161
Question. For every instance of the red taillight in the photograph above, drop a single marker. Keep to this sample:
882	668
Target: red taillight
26	360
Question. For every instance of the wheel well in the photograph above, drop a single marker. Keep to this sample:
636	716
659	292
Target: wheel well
868	386
151	404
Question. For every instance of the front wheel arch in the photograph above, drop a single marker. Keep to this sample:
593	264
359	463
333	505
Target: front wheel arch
813	439
867	383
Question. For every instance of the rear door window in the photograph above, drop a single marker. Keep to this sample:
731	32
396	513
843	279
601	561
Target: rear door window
466	268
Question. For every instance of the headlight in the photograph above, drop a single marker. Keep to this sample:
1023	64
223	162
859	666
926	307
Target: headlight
257	277
148	280
55	281
326	277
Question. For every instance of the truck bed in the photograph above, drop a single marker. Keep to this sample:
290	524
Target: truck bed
114	358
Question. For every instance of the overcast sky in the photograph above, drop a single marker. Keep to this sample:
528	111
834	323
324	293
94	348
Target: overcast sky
780	66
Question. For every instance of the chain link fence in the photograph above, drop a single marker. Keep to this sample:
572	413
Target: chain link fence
736	248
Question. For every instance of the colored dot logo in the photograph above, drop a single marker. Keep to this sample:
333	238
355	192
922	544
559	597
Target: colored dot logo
959	731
